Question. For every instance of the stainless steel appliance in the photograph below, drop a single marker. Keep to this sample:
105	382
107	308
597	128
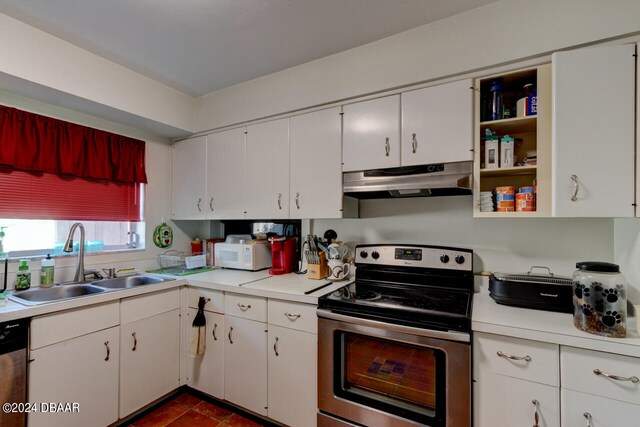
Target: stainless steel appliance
438	179
13	371
394	347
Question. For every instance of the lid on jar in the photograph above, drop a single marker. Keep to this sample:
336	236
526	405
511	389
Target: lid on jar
602	267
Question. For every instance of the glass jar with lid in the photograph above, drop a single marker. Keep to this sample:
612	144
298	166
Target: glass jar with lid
600	299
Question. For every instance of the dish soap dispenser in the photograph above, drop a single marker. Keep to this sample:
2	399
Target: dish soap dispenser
47	268
23	279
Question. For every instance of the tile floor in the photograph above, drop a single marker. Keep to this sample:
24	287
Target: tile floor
189	410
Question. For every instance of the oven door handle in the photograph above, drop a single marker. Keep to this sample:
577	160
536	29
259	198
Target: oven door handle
430	333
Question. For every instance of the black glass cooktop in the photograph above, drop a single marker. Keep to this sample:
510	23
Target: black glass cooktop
423	306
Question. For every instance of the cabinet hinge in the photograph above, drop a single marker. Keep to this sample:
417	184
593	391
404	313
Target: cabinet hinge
635	55
31	360
341	114
246	132
634	205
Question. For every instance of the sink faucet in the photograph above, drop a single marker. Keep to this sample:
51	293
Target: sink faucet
68	247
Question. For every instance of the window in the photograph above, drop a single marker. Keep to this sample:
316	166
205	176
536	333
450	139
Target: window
54	173
26	238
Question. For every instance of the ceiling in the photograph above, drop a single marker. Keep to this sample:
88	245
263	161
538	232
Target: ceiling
200	46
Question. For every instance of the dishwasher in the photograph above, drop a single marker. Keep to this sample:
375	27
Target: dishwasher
14	336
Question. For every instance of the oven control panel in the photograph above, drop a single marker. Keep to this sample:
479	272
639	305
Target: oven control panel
415	256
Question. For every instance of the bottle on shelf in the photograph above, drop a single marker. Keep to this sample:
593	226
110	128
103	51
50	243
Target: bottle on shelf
497	108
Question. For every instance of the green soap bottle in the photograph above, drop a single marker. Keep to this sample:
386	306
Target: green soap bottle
23	279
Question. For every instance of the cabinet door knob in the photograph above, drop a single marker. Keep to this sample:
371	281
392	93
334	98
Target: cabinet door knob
106	344
633	379
576	188
215	326
387	147
230	339
298	200
211	204
526	358
275	347
135	342
198	204
414	143
280	201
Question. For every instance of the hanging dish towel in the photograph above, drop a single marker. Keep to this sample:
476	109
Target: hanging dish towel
198	330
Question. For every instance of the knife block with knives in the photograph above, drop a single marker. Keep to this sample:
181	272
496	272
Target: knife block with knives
318	271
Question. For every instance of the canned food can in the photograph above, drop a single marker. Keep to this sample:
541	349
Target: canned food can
526	190
505	209
505	190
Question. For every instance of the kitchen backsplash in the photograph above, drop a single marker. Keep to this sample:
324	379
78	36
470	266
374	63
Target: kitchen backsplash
502	244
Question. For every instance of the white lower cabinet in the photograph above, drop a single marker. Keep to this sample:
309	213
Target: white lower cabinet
505	401
149	348
245	364
292	371
82	371
206	372
582	409
515	379
149	360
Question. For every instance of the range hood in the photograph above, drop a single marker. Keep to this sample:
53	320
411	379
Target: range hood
440	179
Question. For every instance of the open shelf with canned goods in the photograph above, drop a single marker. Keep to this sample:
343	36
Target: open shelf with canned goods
512	143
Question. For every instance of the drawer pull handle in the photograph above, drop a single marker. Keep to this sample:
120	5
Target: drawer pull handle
536	418
387	147
230	339
291	316
244	307
106	344
215	326
526	358
633	379
275	347
135	342
589	418
414	143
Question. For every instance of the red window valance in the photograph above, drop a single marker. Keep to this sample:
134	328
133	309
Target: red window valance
34	143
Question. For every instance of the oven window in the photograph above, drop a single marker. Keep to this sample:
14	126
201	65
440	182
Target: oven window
407	380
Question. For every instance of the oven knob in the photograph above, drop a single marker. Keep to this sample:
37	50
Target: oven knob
444	259
460	259
363	254
375	255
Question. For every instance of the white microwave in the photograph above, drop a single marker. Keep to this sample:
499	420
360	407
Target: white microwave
243	256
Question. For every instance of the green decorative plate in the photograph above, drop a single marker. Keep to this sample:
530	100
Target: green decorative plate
163	235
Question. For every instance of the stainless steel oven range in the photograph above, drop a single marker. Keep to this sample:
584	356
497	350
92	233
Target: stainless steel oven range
394	347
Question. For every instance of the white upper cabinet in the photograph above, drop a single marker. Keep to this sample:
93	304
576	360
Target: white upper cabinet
371	137
593	132
316	175
189	179
437	124
225	174
267	170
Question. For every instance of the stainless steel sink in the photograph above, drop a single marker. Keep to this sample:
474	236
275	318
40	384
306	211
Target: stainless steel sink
128	282
55	293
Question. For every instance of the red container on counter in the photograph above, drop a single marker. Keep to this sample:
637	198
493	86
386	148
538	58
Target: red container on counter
283	255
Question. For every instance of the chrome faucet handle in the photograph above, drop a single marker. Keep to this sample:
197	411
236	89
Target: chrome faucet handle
96	274
110	272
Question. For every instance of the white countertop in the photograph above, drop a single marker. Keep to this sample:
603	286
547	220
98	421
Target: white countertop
491	317
290	287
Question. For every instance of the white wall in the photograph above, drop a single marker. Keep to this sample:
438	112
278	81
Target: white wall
158	197
627	254
35	56
500	32
508	245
